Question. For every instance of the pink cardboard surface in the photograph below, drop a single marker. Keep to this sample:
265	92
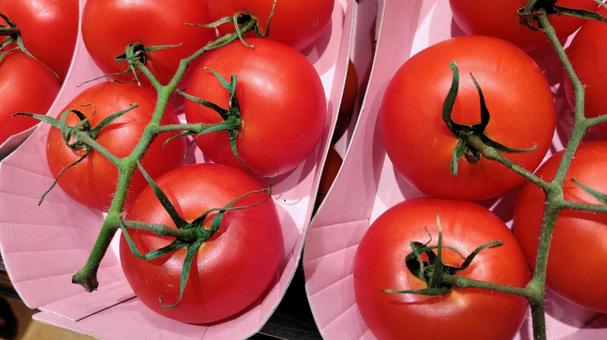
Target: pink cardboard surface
43	246
368	185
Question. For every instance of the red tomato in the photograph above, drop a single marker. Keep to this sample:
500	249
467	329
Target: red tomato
92	182
108	26
329	172
588	47
295	23
578	254
25	86
420	144
462	313
230	271
348	101
282	103
48	29
499	18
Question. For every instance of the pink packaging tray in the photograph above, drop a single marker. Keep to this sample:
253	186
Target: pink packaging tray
43	246
368	185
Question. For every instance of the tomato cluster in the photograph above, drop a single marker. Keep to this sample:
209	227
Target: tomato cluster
450	115
254	106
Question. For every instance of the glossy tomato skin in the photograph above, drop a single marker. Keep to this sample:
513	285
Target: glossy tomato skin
295	23
231	271
282	103
93	181
578	253
48	29
25	86
462	313
587	48
500	19
108	26
418	141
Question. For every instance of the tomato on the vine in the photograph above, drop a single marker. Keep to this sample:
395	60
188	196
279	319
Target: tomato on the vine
578	252
460	313
295	23
500	19
93	180
587	52
108	26
420	144
25	86
231	270
48	29
282	105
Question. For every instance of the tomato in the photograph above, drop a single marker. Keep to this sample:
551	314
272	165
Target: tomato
230	271
48	29
108	26
282	103
588	46
578	254
348	101
499	18
92	181
462	313
419	142
295	23
329	172
25	86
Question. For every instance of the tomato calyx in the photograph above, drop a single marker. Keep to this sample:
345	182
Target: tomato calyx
13	35
529	14
232	116
138	55
190	235
471	138
429	267
80	138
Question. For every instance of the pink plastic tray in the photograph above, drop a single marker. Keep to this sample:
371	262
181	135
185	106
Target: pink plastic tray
43	246
368	185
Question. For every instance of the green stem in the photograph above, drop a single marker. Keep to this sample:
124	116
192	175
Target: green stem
595	208
492	154
464	282
590	122
161	230
87	275
127	166
579	127
91	142
151	77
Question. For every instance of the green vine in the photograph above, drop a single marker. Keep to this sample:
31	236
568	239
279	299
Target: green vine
81	138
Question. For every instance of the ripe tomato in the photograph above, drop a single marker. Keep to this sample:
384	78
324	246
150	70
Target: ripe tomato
419	142
25	86
329	172
108	26
92	181
230	271
589	46
578	254
348	101
499	18
462	313
48	29
282	103
295	23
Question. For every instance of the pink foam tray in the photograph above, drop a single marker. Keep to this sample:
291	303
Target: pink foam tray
43	246
367	185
